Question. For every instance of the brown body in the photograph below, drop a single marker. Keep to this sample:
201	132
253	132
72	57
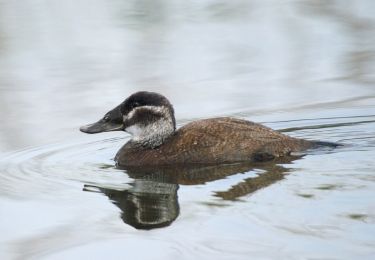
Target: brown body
214	141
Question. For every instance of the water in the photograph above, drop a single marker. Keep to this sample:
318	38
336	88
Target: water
303	67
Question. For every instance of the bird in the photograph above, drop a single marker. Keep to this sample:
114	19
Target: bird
149	118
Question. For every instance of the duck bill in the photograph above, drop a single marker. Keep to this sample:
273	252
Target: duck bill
100	127
112	121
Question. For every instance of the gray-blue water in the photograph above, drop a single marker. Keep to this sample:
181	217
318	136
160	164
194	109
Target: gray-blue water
304	67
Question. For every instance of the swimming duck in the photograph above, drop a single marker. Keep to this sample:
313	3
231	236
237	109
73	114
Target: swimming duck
149	118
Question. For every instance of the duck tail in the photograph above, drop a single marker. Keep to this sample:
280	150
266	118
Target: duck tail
326	144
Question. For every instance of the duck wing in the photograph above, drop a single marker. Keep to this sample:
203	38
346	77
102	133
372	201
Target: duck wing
220	140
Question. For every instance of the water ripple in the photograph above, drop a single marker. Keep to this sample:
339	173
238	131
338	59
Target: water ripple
44	168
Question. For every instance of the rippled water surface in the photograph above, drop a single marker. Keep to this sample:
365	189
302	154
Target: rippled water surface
305	68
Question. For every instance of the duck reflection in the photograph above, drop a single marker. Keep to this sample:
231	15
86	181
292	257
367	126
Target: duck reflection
146	204
151	201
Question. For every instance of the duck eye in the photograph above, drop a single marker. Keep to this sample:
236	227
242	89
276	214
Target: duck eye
106	118
135	104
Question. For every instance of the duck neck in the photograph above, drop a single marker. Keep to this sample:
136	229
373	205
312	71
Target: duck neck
152	135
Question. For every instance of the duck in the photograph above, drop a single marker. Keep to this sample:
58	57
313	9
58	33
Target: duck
150	120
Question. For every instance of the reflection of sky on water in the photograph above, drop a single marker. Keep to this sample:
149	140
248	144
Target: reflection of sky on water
64	63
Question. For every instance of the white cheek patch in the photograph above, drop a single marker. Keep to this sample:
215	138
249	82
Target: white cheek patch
155	109
153	133
135	130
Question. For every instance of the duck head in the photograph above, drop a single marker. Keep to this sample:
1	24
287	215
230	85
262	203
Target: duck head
147	116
